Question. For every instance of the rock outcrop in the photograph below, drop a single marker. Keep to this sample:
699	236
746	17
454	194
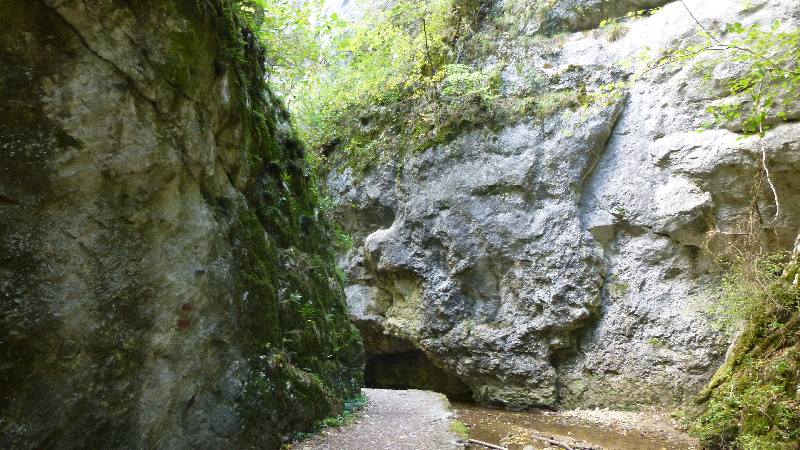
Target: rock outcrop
165	279
557	259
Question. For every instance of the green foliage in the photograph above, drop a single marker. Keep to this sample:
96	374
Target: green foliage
749	283
337	77
349	414
304	356
460	429
768	83
752	402
395	80
292	33
550	103
383	58
461	81
342	239
351	408
757	408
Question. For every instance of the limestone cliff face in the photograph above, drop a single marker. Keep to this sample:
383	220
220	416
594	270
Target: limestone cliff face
165	281
556	260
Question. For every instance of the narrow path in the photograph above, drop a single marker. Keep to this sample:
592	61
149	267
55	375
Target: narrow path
396	420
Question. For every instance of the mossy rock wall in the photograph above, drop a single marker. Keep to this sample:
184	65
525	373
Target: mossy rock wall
753	402
165	277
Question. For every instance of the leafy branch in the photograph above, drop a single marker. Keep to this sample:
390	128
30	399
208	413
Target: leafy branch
769	82
771	78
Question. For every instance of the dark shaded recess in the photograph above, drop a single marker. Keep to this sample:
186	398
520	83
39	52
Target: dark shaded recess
413	370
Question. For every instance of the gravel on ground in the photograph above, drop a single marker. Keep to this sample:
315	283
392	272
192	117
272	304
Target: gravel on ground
649	422
393	420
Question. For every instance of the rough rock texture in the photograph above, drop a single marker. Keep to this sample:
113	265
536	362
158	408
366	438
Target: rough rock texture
164	280
557	260
572	15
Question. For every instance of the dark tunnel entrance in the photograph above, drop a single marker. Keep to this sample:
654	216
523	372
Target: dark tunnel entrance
412	369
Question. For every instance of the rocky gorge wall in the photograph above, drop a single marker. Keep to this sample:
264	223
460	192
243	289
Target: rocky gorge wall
557	260
165	279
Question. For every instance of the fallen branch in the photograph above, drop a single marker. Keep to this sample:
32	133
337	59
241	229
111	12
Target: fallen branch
534	436
552	442
486	444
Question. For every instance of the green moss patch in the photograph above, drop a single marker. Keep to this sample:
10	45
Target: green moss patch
753	402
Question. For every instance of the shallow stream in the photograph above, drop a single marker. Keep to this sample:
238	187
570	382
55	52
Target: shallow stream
515	430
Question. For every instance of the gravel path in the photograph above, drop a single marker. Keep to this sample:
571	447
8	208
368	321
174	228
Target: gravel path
396	420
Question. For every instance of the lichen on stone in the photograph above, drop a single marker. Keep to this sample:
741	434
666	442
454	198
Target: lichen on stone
166	278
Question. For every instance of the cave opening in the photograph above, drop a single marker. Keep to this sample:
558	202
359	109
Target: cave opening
412	369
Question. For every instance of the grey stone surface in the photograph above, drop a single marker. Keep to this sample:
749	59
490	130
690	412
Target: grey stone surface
558	261
571	15
149	258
